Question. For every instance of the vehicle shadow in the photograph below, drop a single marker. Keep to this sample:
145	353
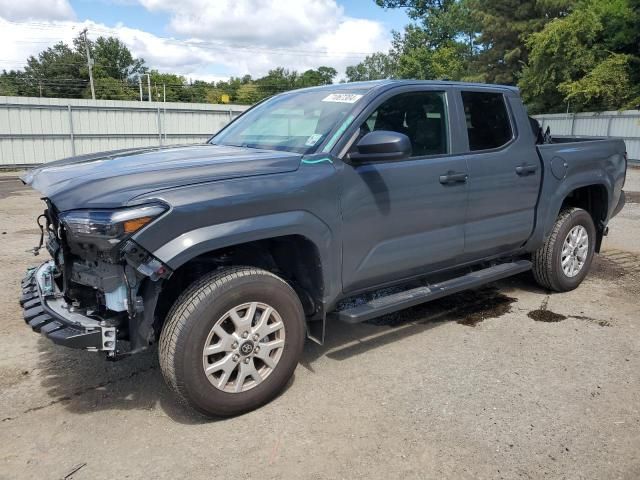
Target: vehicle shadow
85	383
469	308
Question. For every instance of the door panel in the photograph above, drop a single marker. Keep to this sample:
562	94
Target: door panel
404	218
400	221
503	184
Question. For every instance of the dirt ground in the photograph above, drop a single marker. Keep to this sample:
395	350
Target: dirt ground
506	381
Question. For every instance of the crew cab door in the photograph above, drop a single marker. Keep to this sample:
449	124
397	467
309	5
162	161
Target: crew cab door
504	173
405	217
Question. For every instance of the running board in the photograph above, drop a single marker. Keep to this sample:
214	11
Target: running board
409	298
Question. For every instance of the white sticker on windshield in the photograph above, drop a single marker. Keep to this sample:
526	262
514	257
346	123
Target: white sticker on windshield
342	98
313	139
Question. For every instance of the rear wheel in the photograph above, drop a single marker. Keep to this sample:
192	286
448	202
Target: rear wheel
563	262
232	341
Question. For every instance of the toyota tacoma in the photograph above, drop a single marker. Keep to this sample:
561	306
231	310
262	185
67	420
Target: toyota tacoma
303	211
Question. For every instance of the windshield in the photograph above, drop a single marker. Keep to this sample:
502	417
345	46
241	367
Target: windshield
296	122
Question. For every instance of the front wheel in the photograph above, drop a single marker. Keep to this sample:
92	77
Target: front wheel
563	262
232	341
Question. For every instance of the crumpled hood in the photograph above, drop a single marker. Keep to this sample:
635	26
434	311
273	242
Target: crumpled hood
111	179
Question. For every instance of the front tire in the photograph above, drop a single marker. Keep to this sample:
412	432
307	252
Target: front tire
563	262
232	341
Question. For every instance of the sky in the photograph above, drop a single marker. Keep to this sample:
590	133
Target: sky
207	39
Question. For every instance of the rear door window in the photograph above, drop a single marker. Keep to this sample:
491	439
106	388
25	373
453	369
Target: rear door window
488	124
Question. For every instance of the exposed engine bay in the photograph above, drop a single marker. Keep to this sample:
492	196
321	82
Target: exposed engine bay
100	274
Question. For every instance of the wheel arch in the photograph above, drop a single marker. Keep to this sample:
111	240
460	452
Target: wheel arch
296	246
594	199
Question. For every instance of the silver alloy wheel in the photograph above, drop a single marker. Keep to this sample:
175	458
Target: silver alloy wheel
575	251
243	347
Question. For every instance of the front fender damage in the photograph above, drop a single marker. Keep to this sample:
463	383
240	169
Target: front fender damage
144	277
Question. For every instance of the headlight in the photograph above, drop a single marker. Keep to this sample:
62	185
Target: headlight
109	225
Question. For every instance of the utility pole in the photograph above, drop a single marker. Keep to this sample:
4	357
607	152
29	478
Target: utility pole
89	64
148	84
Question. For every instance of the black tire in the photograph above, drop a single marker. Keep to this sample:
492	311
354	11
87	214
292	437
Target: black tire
547	262
193	316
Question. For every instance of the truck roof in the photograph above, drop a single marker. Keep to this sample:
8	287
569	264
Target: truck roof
369	85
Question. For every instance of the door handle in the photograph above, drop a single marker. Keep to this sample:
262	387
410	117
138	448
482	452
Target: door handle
526	169
452	177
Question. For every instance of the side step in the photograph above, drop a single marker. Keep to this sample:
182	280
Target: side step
409	298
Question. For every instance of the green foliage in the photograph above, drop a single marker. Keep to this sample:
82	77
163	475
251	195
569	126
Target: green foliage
376	66
248	93
62	71
582	52
108	88
587	61
11	83
113	59
58	71
609	86
438	45
504	27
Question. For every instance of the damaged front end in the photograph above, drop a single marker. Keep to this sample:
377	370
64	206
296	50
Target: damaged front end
100	290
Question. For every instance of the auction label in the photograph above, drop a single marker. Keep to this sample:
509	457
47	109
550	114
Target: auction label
342	98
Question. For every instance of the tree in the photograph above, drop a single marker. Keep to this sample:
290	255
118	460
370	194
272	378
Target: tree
483	40
175	86
438	44
113	59
57	71
414	56
377	66
504	26
609	86
312	78
12	83
61	71
108	88
248	94
589	59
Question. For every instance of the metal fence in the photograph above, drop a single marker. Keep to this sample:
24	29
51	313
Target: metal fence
624	124
37	130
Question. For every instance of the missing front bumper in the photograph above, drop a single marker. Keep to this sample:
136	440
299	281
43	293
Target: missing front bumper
46	312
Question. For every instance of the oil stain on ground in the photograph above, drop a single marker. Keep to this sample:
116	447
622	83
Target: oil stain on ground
467	308
543	314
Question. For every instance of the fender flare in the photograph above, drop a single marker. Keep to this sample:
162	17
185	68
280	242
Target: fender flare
551	200
199	241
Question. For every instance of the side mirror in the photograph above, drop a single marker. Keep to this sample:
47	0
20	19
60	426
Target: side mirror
382	145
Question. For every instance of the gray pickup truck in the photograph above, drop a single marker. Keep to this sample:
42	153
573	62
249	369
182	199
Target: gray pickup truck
229	253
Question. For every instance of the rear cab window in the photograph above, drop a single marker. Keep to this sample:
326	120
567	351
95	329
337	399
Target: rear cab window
488	123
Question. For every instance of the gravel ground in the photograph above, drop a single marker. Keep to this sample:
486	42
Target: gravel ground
502	382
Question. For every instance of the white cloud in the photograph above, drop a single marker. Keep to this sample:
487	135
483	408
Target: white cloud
257	35
271	22
16	10
223	38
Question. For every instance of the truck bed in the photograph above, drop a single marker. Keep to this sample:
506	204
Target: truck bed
570	163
